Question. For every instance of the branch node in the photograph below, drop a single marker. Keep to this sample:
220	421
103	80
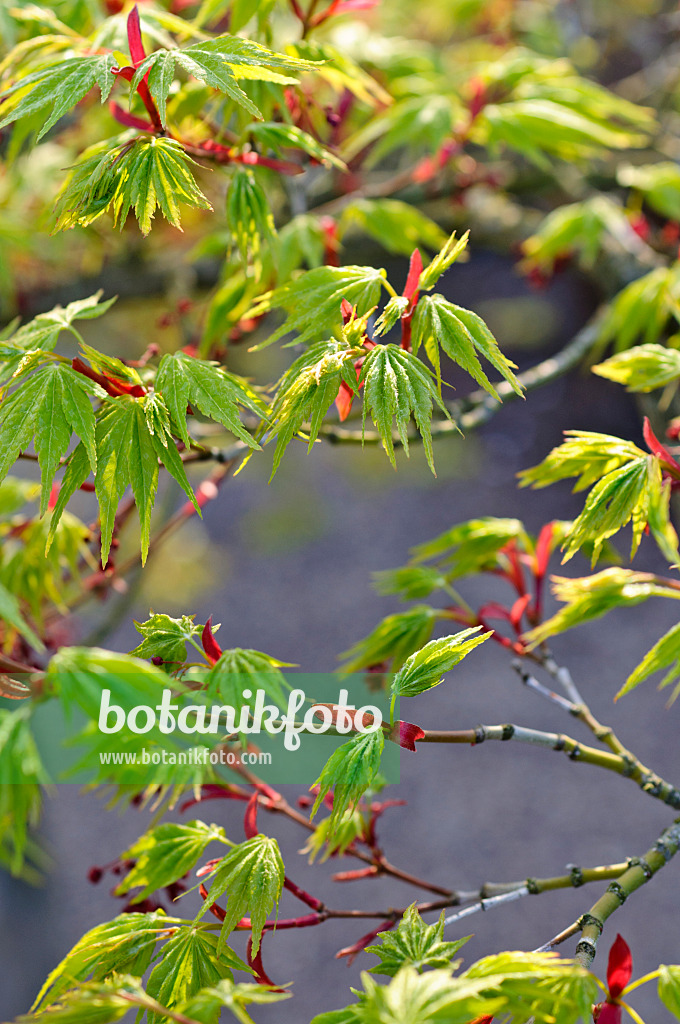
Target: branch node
590	921
532	887
618	891
575	875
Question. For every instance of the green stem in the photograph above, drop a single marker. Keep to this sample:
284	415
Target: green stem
641	870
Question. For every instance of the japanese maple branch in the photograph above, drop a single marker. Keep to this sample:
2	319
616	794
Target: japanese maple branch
621	764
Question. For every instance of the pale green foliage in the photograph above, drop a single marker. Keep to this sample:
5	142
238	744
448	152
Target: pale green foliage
642	310
249	217
312	302
669	988
280	137
461	334
187	963
395	638
349	772
126	943
658	183
397	386
10	615
165	637
218	62
22	776
589	597
165	854
397	226
527	986
642	368
56	86
424	668
550	111
664	654
183	380
414	944
252	876
140	173
77	676
330	837
237	669
470	547
411	582
626	485
307	390
42	333
579	228
205	1006
50	403
452	250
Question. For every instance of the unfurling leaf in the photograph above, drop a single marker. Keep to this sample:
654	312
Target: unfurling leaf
349	772
165	854
165	637
664	654
424	669
414	944
395	638
642	368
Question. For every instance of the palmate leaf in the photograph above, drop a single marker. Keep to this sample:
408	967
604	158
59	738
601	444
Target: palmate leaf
51	404
580	228
277	136
130	437
183	380
252	876
57	86
249	217
189	962
664	654
424	668
126	943
642	310
461	334
643	368
312	301
217	62
411	582
22	776
626	485
349	772
165	854
397	226
589	597
205	1006
472	546
307	390
396	386
395	638
414	943
237	669
43	331
165	637
141	173
669	988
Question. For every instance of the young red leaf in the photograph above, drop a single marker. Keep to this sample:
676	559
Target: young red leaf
213	651
415	269
250	817
134	34
619	968
656	447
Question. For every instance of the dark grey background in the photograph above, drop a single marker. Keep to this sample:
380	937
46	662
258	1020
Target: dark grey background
290	565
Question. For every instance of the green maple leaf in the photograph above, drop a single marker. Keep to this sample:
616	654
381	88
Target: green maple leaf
128	455
23	776
424	668
219	63
189	962
414	944
59	86
307	390
165	854
51	404
397	386
165	637
395	638
349	772
126	943
252	876
184	381
461	334
312	301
